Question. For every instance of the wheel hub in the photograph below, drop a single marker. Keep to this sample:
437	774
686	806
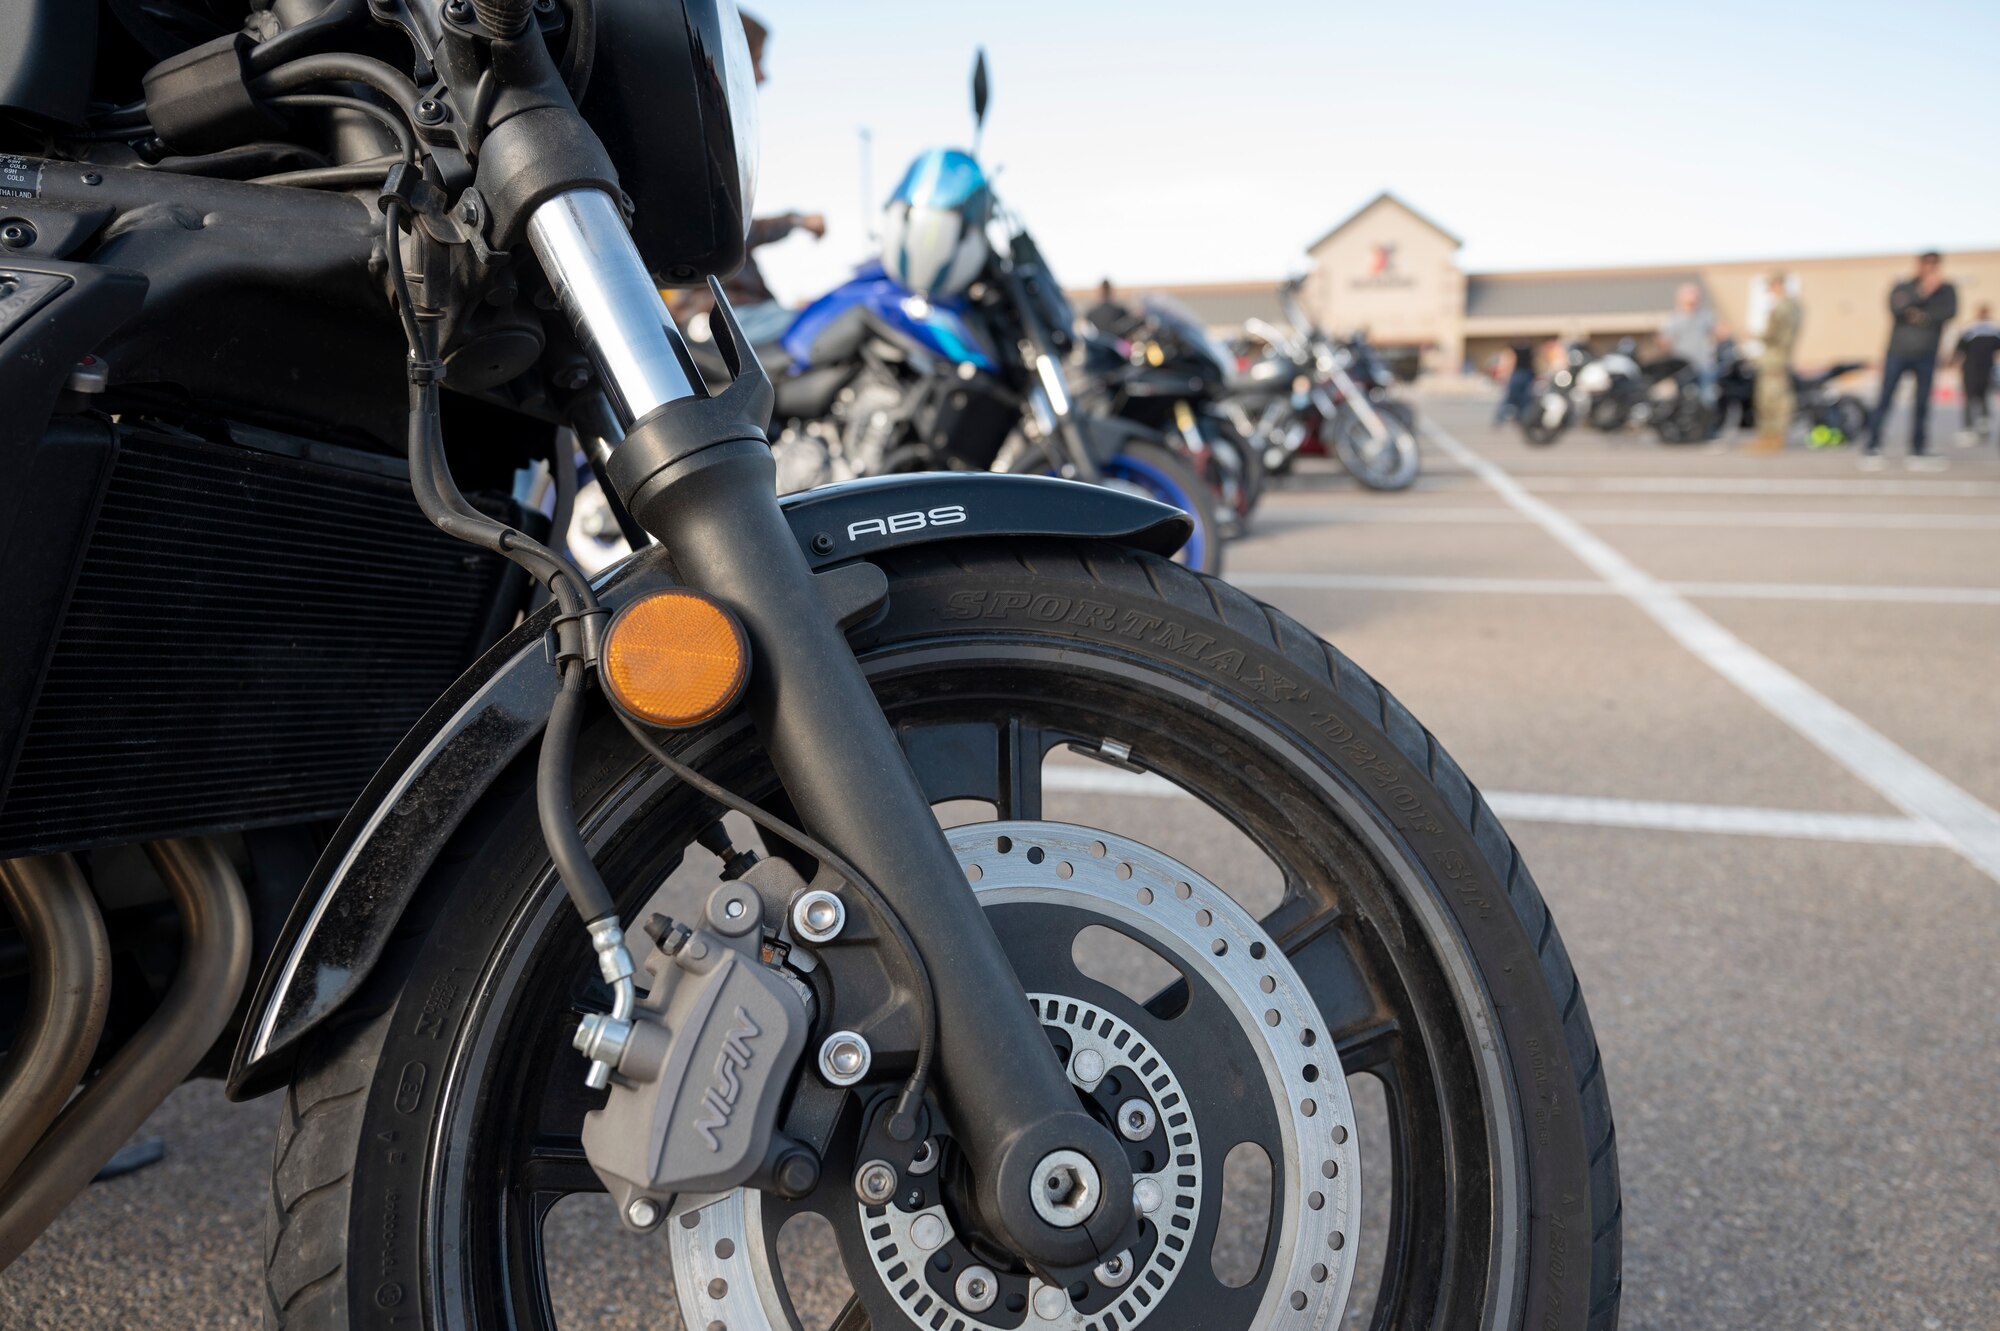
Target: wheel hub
1042	883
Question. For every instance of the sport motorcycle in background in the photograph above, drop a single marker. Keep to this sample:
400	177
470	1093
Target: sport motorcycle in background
1166	372
327	773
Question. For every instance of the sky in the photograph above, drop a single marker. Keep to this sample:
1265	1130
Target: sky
1169	141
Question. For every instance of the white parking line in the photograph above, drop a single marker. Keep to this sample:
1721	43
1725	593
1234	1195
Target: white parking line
1823	486
1724	591
1643	517
1587	811
1967	825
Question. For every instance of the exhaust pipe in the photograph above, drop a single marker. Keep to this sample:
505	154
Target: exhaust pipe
215	961
69	974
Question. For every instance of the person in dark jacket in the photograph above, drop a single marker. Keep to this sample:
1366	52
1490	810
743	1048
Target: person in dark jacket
1977	347
1520	384
1112	316
1920	308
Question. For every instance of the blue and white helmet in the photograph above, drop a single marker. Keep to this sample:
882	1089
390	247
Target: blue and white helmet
934	232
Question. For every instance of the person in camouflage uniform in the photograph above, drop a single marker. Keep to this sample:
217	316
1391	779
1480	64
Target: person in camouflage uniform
1775	400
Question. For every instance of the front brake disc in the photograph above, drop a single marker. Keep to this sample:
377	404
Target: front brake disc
1042	883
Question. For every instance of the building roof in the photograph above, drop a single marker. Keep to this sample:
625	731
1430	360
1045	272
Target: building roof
1529	296
1384	197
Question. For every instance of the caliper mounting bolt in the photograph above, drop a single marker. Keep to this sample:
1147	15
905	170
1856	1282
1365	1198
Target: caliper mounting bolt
818	916
844	1058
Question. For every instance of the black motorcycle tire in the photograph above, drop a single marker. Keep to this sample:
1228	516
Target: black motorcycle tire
375	1162
1849	415
1608	414
1686	421
1220	434
1536	429
1347	431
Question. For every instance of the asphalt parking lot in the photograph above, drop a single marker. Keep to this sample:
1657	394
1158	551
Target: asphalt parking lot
1742	716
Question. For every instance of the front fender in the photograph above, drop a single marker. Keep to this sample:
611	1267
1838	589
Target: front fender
383	849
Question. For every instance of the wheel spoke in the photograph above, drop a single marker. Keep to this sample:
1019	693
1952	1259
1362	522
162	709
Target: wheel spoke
555	1168
999	761
1020	785
853	1317
1363	1028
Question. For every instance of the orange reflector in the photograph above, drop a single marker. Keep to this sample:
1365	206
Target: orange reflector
675	659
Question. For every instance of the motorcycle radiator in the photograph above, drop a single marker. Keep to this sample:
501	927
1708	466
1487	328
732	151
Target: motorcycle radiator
248	633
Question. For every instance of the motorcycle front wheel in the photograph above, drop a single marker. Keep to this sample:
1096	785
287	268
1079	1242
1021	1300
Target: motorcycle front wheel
1374	928
1379	464
1235	471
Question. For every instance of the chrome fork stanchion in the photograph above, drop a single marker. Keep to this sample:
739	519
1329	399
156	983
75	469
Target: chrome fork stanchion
609	298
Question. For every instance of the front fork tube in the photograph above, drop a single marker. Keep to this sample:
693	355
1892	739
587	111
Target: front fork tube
1055	415
1007	1097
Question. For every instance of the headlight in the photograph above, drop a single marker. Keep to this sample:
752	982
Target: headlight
739	78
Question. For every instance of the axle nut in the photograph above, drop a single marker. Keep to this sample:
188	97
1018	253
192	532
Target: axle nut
1065	1189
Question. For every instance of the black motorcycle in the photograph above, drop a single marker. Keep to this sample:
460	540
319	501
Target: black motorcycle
1164	371
282	316
1613	391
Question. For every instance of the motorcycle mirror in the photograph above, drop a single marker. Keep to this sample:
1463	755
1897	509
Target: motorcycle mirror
981	94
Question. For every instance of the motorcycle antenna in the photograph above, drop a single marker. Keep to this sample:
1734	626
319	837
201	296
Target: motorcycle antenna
869	208
981	94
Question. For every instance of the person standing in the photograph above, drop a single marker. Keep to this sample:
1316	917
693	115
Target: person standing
1920	308
1977	347
1520	384
1689	334
1775	398
1112	316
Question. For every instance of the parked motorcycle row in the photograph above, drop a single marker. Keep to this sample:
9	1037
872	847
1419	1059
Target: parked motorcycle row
1612	391
957	348
326	771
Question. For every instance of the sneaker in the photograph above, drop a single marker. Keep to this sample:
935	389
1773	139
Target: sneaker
1873	462
1966	439
1924	462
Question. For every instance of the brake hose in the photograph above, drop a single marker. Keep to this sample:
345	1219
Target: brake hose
446	507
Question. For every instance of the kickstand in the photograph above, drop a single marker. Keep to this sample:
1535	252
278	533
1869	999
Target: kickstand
135	1155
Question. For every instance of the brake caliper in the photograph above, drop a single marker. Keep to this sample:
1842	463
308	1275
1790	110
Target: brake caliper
699	1069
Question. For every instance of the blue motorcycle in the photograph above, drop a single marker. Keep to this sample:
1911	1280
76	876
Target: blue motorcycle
948	353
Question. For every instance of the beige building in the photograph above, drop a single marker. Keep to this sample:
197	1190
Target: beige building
1391	270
